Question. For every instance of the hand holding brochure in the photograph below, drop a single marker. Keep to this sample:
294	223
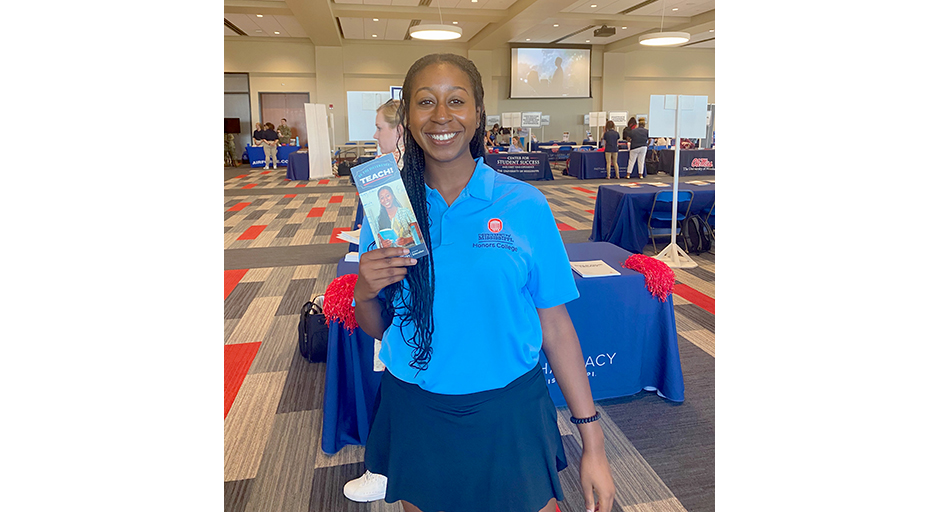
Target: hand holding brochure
385	203
593	268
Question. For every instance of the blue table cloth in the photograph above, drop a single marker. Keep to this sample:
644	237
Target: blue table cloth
620	213
256	155
559	153
628	339
522	166
298	166
692	162
586	165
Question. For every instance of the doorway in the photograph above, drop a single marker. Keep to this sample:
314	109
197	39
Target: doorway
277	105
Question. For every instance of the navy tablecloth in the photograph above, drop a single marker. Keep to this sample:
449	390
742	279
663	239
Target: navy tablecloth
298	166
587	165
628	339
620	213
256	155
522	166
692	162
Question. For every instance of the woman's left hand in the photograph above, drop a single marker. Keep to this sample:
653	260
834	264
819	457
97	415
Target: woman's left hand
595	478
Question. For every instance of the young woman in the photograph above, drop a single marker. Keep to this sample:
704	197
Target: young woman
516	146
463	419
611	149
269	143
639	140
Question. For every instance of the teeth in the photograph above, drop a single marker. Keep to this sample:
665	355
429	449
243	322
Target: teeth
442	137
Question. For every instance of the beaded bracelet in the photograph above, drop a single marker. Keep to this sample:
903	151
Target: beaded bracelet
581	421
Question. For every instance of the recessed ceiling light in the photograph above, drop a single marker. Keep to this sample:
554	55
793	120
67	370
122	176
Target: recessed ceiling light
455	23
260	15
375	19
675	8
373	35
277	33
588	41
623	28
528	39
712	30
593	5
555	25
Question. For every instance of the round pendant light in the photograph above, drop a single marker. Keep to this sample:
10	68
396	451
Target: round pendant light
435	32
664	38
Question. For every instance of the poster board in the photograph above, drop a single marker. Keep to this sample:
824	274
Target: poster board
531	119
360	109
619	118
318	141
692	116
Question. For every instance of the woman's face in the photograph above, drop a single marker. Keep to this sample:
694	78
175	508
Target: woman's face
385	135
257	126
442	115
385	198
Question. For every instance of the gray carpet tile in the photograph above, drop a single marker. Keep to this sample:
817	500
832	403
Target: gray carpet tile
284	200
236	494
697	315
284	256
277	346
298	292
229	215
288	230
237	302
277	281
227	229
324	228
575	237
303	390
284	476
231	202
286	213
255	214
676	440
326	493
701	273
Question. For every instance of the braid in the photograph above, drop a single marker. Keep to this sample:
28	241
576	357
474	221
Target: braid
417	306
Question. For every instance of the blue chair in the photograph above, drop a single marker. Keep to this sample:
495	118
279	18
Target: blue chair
660	218
710	217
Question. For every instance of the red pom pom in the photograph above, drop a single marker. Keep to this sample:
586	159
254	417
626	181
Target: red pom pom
660	279
338	302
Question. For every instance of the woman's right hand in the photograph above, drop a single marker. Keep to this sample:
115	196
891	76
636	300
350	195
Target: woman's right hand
379	268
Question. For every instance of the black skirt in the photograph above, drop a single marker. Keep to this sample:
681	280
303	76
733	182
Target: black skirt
493	450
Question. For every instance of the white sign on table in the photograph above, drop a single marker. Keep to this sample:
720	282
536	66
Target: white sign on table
531	119
545	119
619	118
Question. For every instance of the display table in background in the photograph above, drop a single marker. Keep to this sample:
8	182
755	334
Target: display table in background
298	166
628	339
256	155
522	166
692	162
586	165
620	213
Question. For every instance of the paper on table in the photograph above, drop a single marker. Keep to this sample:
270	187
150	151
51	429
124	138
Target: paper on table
349	236
631	185
659	184
593	268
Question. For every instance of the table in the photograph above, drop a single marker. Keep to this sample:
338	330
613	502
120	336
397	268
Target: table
620	213
361	149
692	162
522	166
559	153
587	165
256	155
628	339
298	166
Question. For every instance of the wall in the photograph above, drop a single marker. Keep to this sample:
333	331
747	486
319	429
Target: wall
619	81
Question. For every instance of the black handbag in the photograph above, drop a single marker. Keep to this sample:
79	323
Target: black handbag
313	332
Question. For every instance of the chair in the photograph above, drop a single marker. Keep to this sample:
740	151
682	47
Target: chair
710	217
660	219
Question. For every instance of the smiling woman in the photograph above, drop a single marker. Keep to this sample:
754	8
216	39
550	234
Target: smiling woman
478	408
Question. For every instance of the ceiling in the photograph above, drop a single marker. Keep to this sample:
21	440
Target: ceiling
486	24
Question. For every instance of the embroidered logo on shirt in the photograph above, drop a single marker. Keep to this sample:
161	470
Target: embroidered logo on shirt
495	225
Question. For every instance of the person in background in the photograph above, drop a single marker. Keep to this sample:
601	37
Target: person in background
611	148
639	139
269	143
463	419
516	146
631	124
231	151
284	135
388	134
256	136
505	137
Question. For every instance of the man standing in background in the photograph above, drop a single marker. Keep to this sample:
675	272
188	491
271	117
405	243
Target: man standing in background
231	150
283	133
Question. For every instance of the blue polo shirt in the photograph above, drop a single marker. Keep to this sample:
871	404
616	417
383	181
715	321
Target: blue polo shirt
498	256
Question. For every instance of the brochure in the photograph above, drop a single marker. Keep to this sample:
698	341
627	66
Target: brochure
697	182
631	185
593	268
349	236
660	185
385	203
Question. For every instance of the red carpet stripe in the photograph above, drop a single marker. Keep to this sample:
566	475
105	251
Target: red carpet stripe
316	212
564	227
334	238
336	199
583	190
295	195
238	207
240	176
592	211
300	185
695	297
238	358
250	185
252	232
232	277
324	182
266	172
592	197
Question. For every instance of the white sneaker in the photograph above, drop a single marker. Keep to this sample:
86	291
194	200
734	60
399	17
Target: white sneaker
275	166
266	167
368	487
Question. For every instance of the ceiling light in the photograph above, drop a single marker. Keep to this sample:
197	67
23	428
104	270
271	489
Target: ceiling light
277	33
675	8
712	30
555	25
375	19
260	15
587	41
623	28
435	32
528	39
432	32
373	35
664	38
455	23
593	5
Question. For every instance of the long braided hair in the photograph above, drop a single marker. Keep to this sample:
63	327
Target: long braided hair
417	305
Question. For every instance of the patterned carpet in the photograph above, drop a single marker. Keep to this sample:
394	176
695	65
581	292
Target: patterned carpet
281	250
